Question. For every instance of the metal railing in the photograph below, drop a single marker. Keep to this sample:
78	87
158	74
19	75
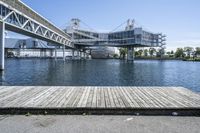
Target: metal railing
17	14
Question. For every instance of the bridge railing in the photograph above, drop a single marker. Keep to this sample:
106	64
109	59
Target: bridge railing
26	16
29	12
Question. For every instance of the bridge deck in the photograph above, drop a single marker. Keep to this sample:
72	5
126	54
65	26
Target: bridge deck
98	100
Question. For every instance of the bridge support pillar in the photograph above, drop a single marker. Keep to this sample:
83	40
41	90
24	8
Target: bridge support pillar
78	54
64	52
84	55
130	54
81	54
72	54
55	53
45	53
41	53
2	45
51	53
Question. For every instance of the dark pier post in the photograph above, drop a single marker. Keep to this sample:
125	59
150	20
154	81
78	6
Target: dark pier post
55	53
130	53
84	54
72	54
81	53
78	54
2	44
64	52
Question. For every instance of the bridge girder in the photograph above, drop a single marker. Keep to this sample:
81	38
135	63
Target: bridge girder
18	21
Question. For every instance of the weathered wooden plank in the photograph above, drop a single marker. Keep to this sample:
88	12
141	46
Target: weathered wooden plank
97	97
137	97
14	95
102	98
34	100
117	93
64	91
124	94
65	96
132	101
112	103
117	105
167	99
77	99
68	98
154	98
107	99
89	101
94	99
53	98
11	92
86	97
82	98
23	97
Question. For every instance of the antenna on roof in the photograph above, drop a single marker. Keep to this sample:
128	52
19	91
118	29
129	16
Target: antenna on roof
75	23
130	24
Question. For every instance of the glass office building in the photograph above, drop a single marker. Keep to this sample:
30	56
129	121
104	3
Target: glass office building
136	37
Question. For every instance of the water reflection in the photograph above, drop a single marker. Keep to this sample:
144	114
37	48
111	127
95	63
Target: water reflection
101	73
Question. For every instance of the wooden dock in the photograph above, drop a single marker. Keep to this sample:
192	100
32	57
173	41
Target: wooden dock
98	100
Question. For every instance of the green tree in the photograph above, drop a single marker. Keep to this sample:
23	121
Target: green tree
152	51
140	52
169	53
136	53
188	50
161	52
145	52
179	53
122	52
115	56
197	51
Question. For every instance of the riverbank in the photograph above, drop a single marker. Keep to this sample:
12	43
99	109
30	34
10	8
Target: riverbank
191	59
167	58
157	58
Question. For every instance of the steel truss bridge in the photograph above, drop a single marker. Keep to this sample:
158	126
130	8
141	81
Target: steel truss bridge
17	17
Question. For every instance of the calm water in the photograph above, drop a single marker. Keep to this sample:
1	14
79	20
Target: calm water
102	73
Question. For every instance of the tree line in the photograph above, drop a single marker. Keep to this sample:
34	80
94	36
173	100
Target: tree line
185	52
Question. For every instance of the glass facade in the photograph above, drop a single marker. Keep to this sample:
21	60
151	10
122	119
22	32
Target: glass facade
137	37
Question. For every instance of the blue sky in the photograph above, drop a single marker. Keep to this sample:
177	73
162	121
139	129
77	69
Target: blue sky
178	19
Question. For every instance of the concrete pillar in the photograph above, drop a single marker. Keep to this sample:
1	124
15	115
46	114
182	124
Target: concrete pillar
72	54
81	54
90	52
45	53
51	53
41	52
130	54
84	55
78	54
2	44
64	52
6	53
55	53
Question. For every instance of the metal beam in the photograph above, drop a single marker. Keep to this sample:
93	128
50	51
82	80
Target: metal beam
2	44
